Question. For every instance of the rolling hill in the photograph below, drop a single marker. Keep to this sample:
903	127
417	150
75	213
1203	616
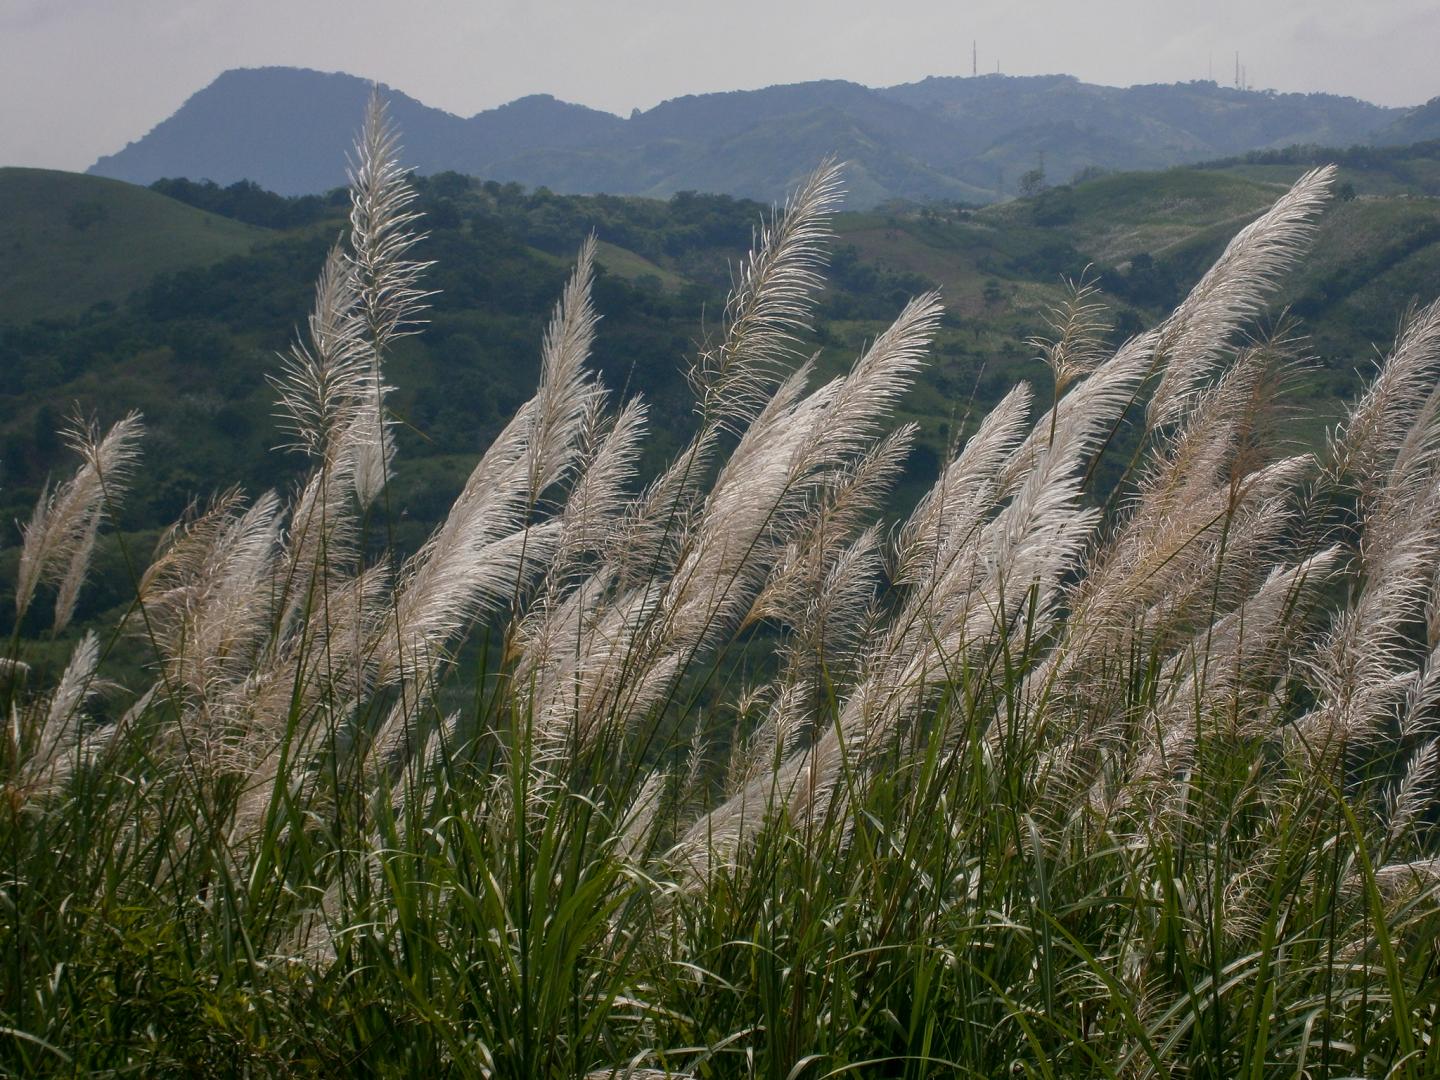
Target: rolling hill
69	241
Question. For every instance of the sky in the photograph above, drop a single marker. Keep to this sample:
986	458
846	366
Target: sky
81	78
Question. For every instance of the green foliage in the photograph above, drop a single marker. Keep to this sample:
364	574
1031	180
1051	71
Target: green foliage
247	201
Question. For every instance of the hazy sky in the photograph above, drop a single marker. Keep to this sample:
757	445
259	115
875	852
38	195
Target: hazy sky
80	78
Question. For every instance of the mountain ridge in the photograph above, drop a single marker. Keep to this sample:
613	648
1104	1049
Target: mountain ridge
944	137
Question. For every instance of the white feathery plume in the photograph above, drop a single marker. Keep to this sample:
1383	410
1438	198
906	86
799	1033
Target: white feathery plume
1083	688
764	490
566	389
60	536
637	823
386	281
1193	539
51	753
770	304
1193	340
829	622
593	524
1364	666
317	673
852	497
1244	648
1076	426
965	491
1162	571
1384	420
1076	344
1193	543
388	298
1396	880
966	594
321	383
320	543
67	594
623	660
1422	696
590	520
628	659
485	550
973	593
452	588
206	597
1416	789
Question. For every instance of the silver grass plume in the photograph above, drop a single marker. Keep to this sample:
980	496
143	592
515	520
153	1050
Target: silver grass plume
60	536
969	596
762	495
970	486
388	298
48	743
771	302
591	519
206	608
488	549
1244	651
1192	341
1075	345
1208	487
385	280
1394	414
1365	664
1416	789
823	591
323	380
593	538
1024	551
473	560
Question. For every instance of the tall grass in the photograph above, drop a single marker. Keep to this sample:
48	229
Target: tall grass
737	778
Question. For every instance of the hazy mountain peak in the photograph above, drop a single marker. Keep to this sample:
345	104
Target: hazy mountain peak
967	138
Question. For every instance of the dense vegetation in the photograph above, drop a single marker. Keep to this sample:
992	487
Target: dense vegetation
662	748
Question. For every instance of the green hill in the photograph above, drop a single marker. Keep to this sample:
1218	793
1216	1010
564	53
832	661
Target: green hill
1412	169
70	241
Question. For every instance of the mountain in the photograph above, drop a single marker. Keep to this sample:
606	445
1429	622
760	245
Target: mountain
961	139
1421	124
290	130
72	241
1075	125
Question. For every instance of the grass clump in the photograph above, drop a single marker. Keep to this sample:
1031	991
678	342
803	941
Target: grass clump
718	774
